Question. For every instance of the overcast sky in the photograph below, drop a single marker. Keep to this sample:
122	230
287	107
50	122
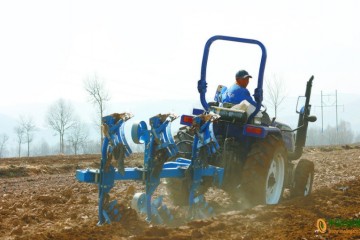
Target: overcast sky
153	49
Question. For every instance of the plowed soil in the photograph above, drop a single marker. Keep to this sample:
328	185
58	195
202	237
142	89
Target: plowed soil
41	199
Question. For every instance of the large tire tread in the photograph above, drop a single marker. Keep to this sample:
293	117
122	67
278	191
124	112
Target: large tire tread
255	171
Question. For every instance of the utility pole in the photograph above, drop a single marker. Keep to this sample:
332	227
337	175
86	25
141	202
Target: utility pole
324	104
322	114
336	107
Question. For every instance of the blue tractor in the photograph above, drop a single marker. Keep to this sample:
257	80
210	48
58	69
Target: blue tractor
256	153
235	147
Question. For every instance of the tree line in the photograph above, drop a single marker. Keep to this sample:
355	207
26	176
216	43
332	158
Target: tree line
74	137
332	135
61	119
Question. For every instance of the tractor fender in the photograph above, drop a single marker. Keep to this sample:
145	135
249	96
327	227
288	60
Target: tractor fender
259	131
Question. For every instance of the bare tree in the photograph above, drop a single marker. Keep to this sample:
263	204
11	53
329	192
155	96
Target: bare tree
28	126
19	131
98	96
276	92
3	140
78	136
60	119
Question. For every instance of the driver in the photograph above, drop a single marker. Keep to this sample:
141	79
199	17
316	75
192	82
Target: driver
238	92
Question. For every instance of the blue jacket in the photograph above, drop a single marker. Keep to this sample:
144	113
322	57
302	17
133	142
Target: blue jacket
236	94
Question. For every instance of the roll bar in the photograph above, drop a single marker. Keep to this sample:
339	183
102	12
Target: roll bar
202	84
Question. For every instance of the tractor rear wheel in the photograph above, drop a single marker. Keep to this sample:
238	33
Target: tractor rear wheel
264	172
303	178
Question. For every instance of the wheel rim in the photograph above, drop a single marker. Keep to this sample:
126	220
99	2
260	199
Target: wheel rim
308	185
275	179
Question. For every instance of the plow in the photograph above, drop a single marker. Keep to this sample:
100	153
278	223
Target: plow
235	147
160	161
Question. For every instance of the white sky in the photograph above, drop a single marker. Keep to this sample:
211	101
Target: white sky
153	49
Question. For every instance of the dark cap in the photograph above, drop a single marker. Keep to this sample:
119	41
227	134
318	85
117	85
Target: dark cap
242	74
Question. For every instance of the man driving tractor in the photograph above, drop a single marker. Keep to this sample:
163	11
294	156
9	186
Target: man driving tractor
238	92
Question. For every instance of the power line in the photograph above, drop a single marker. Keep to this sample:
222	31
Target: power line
325	104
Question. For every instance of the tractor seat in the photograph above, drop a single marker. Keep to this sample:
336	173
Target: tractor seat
230	115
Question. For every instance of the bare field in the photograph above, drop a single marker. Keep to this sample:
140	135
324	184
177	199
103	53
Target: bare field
41	199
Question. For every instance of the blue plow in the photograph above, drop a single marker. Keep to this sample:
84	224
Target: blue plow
161	160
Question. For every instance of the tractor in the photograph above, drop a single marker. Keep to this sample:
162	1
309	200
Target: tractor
234	147
256	153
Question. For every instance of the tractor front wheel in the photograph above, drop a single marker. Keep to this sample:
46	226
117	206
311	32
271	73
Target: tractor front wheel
303	178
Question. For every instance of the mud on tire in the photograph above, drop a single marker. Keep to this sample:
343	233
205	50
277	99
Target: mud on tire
264	172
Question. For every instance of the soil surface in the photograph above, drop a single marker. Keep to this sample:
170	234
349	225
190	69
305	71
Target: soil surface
41	199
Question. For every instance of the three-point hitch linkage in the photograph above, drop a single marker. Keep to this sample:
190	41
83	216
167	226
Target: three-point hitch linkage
161	160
